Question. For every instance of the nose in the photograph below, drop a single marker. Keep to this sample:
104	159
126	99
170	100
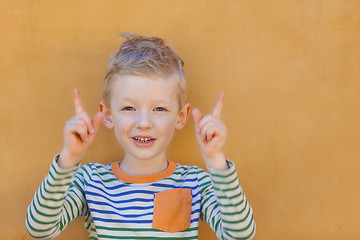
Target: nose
143	121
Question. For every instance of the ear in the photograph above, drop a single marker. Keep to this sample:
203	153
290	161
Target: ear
107	119
182	116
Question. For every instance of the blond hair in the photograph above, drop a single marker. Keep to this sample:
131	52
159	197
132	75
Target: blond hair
145	56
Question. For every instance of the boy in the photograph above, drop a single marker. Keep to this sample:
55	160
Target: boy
144	196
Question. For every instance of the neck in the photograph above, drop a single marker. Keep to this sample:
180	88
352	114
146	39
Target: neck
133	166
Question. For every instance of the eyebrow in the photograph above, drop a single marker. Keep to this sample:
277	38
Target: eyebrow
155	101
126	99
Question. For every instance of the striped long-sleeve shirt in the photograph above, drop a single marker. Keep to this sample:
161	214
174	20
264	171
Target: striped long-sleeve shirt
115	205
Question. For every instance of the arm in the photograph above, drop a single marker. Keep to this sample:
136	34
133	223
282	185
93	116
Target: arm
59	200
54	205
225	206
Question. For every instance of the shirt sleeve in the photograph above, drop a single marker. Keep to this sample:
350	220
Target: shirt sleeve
59	200
224	205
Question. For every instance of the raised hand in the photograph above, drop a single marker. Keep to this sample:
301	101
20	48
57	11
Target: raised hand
211	135
79	132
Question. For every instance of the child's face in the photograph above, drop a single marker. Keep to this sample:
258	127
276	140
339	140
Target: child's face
144	113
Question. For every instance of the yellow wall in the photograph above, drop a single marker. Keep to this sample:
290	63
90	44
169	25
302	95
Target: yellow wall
290	70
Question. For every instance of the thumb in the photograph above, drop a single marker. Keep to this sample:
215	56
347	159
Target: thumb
196	115
96	120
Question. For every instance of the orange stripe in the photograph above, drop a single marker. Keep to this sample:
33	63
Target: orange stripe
115	167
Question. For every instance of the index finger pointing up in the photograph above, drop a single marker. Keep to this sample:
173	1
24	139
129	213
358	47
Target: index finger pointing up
77	102
218	106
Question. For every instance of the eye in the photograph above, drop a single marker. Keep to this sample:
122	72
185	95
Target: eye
160	109
127	108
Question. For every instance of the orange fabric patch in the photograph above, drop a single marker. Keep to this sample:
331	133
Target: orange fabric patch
172	210
115	167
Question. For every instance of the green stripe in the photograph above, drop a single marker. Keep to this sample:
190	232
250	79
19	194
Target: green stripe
33	209
244	238
76	184
54	185
44	206
214	205
87	222
184	168
205	184
86	171
203	177
225	182
235	213
226	197
203	203
105	173
39	230
80	177
226	185
68	217
71	206
60	179
184	172
80	199
241	229
62	173
222	175
232	204
37	221
227	190
110	180
49	199
216	227
41	213
53	192
239	221
176	173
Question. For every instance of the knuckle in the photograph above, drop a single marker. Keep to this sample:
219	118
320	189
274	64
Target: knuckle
81	128
84	116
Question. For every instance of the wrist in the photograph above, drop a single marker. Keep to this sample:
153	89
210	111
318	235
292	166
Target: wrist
65	160
217	162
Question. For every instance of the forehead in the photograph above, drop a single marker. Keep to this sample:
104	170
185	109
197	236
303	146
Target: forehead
141	88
